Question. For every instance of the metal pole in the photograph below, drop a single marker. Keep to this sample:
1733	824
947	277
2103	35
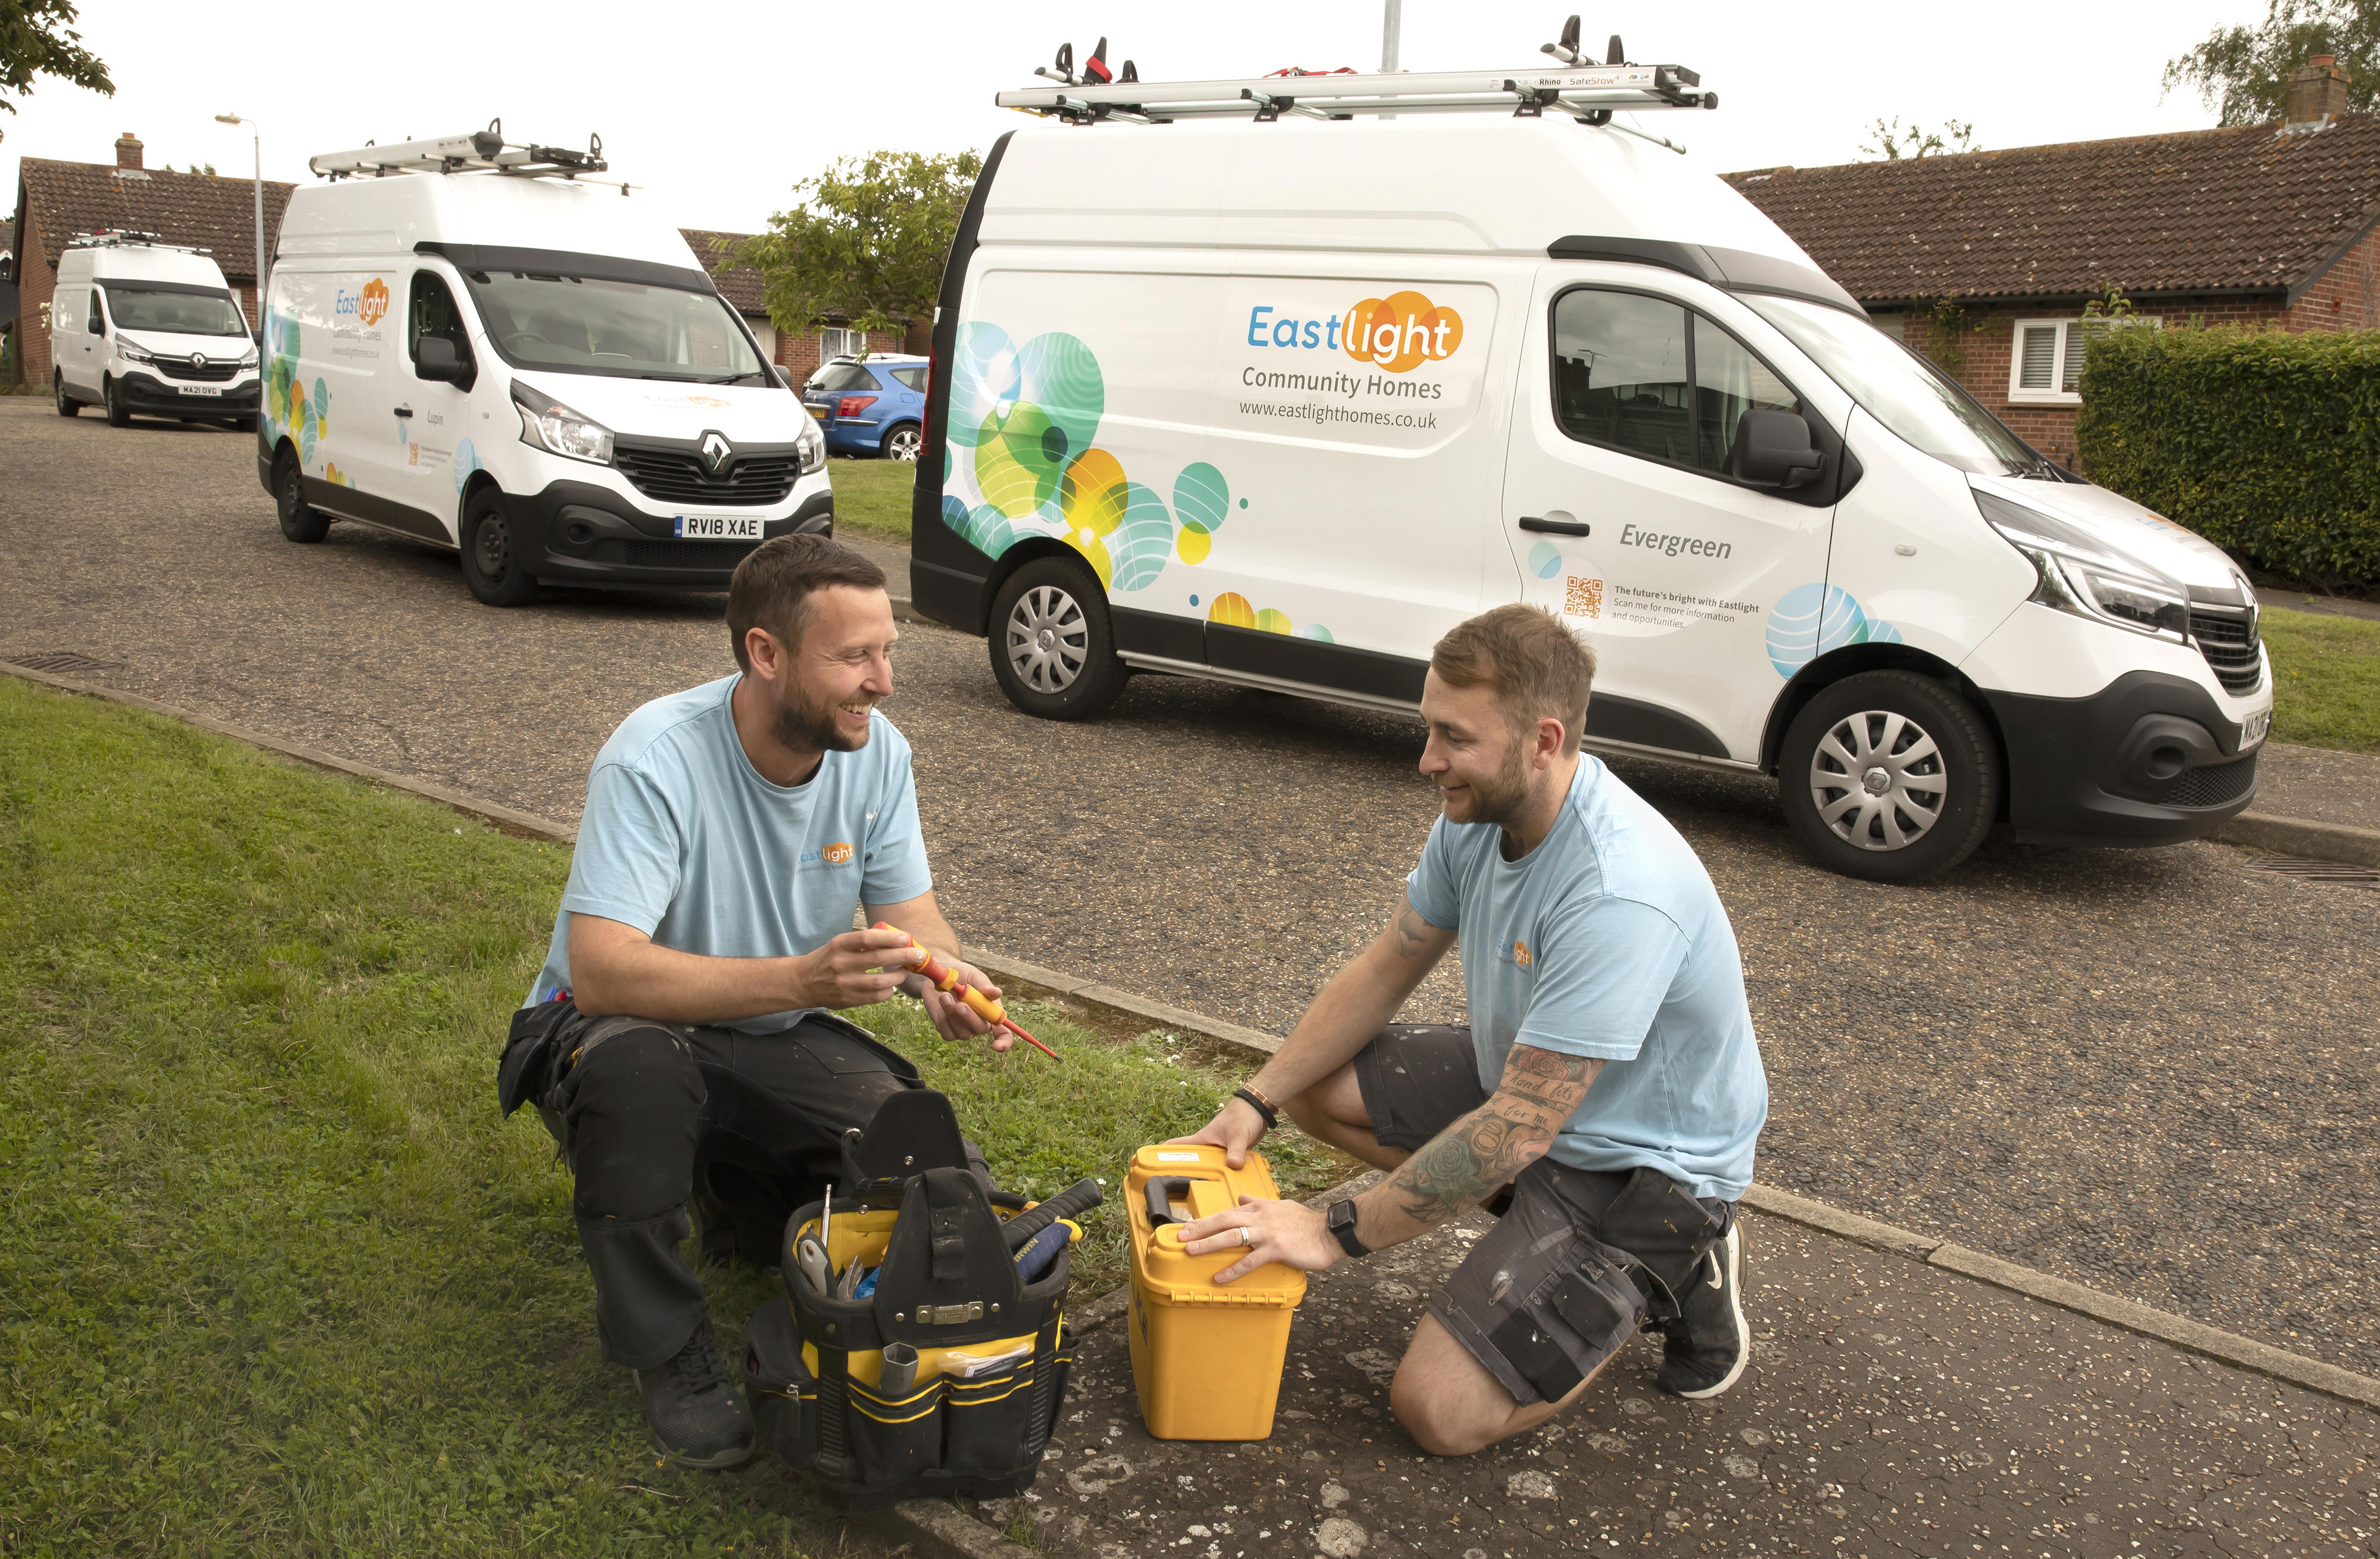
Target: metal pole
1391	20
261	264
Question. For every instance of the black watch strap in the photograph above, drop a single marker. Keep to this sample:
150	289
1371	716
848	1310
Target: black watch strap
1256	1102
1341	1220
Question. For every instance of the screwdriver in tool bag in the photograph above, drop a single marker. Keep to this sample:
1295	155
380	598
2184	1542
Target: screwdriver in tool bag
943	978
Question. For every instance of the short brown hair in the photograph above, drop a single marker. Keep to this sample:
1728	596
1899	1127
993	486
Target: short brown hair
772	586
1537	667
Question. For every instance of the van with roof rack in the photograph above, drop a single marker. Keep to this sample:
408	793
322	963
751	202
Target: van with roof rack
478	344
1279	397
141	326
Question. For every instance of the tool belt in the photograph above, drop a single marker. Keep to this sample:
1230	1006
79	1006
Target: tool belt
986	1352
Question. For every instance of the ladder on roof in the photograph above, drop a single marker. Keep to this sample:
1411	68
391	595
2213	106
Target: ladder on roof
121	238
1574	85
480	152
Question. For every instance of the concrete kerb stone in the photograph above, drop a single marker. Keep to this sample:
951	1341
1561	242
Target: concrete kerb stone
946	1530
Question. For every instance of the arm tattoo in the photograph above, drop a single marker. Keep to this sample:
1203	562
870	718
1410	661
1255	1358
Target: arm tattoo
1413	932
1468	1161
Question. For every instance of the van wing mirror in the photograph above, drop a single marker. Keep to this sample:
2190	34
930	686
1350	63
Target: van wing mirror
1773	448
434	357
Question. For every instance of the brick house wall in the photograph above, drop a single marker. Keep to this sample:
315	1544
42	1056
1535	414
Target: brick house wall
37	282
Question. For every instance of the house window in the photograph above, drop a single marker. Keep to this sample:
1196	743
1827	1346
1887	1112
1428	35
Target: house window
834	342
2045	364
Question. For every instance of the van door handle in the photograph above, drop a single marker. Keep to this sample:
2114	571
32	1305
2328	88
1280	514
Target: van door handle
1554	527
405	411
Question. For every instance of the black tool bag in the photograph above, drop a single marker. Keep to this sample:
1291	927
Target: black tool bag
992	1352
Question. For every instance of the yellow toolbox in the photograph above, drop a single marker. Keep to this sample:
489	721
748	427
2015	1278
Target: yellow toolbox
1205	1357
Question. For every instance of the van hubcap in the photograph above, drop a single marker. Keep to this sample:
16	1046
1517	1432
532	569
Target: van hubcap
1049	639
1879	780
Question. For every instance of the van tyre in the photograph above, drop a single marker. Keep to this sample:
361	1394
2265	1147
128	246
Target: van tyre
68	405
116	415
1052	645
1890	777
301	521
495	567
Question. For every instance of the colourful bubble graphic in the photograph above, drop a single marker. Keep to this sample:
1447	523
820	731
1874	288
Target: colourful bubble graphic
1544	560
1271	621
1232	610
1316	632
1143	542
1201	497
1810	620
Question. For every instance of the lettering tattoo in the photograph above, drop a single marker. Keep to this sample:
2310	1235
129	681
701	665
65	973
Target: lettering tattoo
1480	1154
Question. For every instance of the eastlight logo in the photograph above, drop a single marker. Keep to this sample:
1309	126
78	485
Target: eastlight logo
1398	333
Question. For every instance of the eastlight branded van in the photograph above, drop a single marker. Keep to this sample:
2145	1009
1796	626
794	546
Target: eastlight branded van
1279	403
478	345
139	325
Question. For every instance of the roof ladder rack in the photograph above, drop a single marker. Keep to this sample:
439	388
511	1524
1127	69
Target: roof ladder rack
477	151
1574	85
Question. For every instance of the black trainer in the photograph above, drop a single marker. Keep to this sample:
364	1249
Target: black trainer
1709	1344
696	1412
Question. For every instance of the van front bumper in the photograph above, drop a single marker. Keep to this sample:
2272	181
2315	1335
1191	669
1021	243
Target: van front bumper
152	396
581	534
2149	759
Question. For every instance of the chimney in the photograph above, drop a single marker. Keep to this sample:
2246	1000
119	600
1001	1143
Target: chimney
2317	94
128	145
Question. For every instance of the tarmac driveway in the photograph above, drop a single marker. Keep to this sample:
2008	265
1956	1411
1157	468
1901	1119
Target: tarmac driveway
2153	1071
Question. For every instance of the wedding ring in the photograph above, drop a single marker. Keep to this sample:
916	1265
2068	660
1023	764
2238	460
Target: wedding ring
1246	1237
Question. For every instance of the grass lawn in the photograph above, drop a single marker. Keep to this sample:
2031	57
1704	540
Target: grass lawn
2325	680
273	1277
871	498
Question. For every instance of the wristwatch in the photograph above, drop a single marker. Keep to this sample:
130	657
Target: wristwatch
1341	1220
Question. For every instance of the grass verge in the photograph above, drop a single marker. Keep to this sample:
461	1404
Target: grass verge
273	1277
2325	680
871	498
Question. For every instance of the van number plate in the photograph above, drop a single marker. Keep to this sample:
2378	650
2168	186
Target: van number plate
2252	734
199	389
719	528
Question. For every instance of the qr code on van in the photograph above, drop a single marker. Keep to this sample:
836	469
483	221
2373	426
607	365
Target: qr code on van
1582	598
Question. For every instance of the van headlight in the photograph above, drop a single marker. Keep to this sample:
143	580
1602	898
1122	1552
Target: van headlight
132	353
549	425
2079	574
809	446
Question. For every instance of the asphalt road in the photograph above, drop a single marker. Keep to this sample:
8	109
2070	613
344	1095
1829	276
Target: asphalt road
2153	1071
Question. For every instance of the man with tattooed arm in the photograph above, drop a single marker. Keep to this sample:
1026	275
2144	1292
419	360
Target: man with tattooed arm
1604	1101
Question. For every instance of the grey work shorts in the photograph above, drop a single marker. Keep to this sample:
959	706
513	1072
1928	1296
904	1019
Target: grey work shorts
1578	1260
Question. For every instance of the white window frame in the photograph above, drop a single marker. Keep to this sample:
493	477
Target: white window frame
2069	348
853	344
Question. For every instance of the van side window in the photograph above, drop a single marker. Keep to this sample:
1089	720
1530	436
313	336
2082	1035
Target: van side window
433	312
1654	378
92	321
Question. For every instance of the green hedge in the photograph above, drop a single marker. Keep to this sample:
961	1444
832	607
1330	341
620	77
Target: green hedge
2266	444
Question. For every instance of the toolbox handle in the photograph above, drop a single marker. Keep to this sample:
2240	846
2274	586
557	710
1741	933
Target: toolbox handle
1161	1193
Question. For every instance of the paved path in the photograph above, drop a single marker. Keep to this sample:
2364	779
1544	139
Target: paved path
1890	1409
2319	785
2151	1071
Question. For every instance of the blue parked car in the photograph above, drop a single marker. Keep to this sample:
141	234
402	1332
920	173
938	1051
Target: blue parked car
871	406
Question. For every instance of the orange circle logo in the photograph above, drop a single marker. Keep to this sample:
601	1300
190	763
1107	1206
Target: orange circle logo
1520	953
835	855
1400	332
375	302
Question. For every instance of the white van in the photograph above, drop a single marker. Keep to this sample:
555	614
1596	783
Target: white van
1279	403
478	345
143	327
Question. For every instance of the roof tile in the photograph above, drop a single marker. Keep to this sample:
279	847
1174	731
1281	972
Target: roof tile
204	210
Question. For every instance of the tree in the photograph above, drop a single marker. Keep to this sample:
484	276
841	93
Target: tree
1893	143
36	41
866	241
2244	72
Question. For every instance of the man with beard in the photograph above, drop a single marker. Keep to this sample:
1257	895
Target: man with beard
1604	1101
704	934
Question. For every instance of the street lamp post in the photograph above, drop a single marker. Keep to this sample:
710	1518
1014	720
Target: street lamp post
261	263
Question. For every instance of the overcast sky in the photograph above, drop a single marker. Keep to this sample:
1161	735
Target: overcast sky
719	108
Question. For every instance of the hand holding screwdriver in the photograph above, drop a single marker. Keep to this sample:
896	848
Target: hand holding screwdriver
943	978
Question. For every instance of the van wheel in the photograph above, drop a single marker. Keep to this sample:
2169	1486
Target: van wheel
493	568
299	521
68	405
1888	777
903	442
1052	647
116	415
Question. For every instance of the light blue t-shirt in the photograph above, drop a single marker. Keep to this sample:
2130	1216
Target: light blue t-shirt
1608	940
684	840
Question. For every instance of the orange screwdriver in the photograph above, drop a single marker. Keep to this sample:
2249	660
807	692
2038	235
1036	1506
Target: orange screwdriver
944	979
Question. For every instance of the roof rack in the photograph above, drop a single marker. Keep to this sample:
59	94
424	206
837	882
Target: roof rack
114	237
478	152
1575	85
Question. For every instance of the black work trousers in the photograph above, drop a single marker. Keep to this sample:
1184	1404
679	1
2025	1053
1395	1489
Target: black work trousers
745	1128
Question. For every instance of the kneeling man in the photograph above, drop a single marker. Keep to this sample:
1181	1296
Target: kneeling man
1603	1100
730	832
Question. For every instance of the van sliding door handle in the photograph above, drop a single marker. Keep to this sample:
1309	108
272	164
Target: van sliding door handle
1554	527
405	411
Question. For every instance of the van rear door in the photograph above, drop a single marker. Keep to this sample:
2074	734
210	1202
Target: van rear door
1621	508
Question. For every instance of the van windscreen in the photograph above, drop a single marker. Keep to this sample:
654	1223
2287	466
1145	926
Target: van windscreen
580	325
1899	389
178	311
